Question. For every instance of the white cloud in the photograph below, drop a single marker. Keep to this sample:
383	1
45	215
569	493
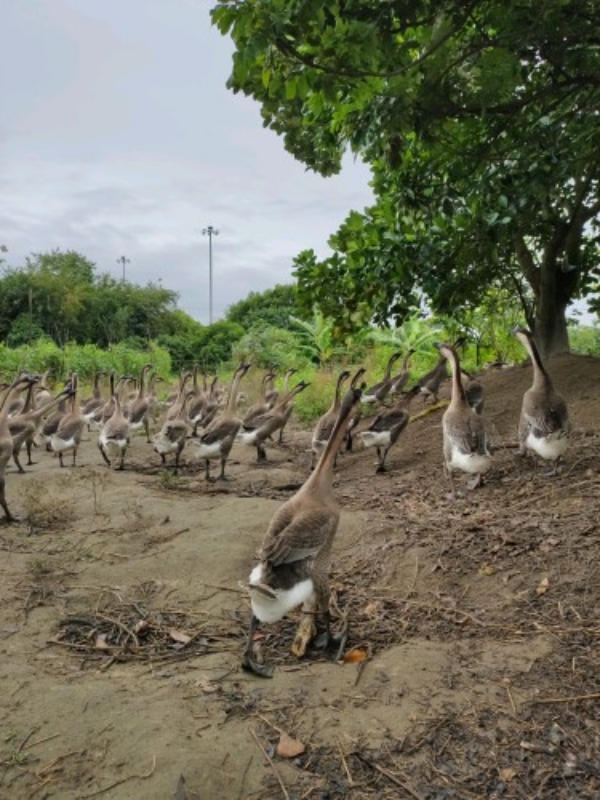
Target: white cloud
120	138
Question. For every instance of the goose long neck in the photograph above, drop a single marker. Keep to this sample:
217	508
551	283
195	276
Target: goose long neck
28	406
458	390
97	385
338	391
39	412
540	376
10	394
322	475
233	391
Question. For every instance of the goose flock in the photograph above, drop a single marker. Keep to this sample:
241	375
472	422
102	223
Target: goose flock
206	422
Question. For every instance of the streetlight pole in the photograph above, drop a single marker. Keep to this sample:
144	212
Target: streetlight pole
210	232
122	260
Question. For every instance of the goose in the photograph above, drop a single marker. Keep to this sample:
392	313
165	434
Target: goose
261	406
203	409
326	423
473	391
70	428
105	412
42	392
384	431
24	426
295	557
139	408
544	425
114	434
6	442
399	381
95	402
353	419
50	424
262	428
430	383
172	436
465	439
378	392
272	395
288	375
218	437
174	409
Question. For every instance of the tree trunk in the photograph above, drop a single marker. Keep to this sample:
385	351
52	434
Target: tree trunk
553	288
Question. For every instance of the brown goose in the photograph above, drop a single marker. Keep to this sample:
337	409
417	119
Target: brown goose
24	426
296	553
473	391
6	442
114	434
399	381
42	392
378	392
272	395
384	431
70	428
96	401
262	428
465	439
203	409
544	425
173	434
218	437
139	408
51	423
326	423
174	409
261	406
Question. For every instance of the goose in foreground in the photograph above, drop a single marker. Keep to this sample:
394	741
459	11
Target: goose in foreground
218	437
25	426
114	434
262	428
378	392
384	431
296	553
70	428
465	438
6	442
326	423
544	425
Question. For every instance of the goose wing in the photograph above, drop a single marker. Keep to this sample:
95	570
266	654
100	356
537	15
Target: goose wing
296	537
388	419
467	433
546	418
220	429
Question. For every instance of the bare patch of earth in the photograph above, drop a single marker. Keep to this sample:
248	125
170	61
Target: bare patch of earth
472	663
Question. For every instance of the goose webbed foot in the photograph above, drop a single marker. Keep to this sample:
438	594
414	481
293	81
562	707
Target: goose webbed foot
250	664
326	640
475	483
380	468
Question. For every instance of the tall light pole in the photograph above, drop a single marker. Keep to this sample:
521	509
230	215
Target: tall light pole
122	260
210	232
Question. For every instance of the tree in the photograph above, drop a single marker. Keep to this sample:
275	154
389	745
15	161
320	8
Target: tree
271	307
479	121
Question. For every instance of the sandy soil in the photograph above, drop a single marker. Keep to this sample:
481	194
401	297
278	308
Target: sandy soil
472	667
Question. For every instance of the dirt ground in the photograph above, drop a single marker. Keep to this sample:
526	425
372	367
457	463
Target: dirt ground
473	664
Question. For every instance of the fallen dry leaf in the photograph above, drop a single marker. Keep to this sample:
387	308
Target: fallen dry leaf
543	586
100	643
487	569
355	656
288	747
507	774
179	636
141	626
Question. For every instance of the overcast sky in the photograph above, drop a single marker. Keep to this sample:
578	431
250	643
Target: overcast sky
118	137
